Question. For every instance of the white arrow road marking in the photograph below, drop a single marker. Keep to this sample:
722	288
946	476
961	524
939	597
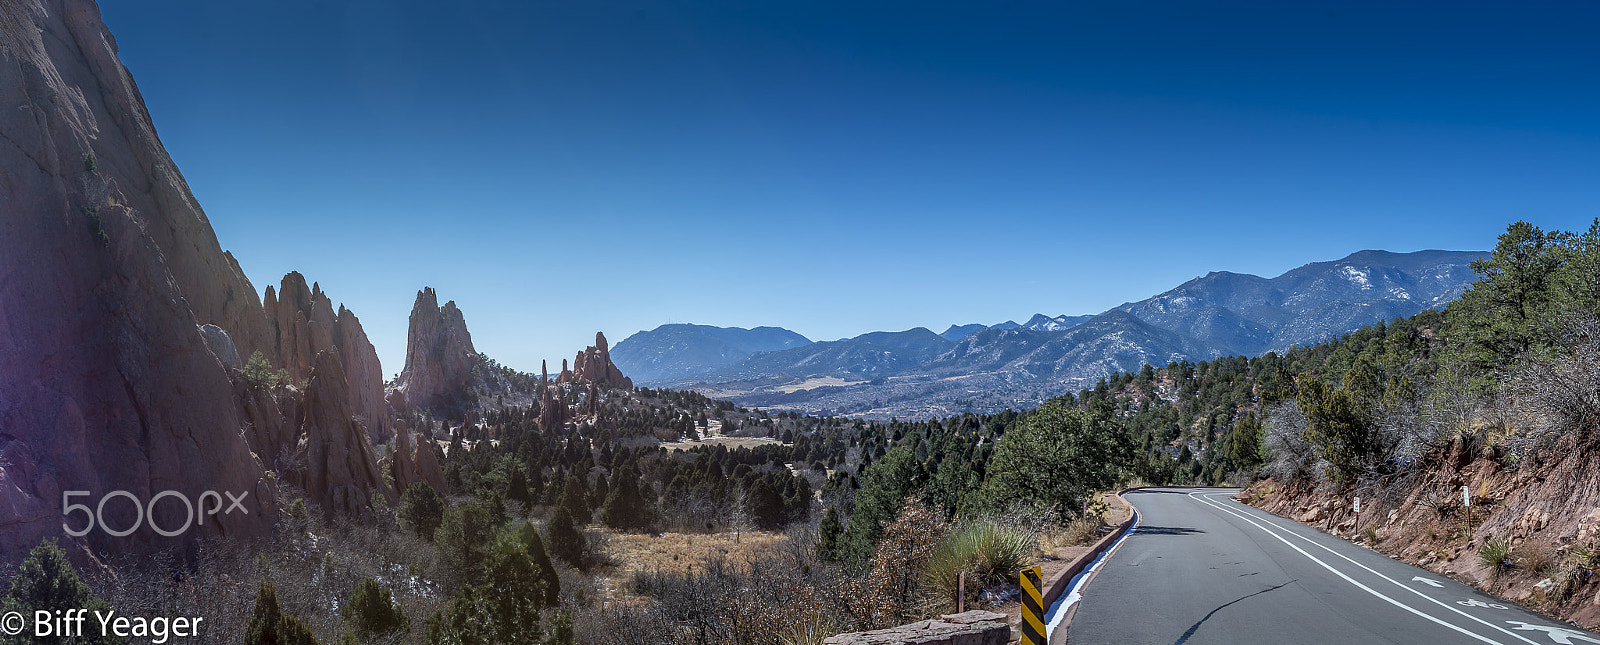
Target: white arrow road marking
1560	635
1246	517
1464	631
1427	581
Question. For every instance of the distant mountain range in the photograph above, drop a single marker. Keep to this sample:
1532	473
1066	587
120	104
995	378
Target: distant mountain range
982	368
675	350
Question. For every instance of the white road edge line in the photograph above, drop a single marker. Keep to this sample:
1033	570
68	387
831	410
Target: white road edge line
1058	611
1347	578
1392	580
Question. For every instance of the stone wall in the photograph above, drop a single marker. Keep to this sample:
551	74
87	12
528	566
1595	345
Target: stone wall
976	627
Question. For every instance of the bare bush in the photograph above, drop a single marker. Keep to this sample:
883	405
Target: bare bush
1557	395
1290	458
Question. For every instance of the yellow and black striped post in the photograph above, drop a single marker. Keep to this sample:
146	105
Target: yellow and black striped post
1032	606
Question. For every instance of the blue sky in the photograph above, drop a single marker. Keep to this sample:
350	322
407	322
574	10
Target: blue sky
559	168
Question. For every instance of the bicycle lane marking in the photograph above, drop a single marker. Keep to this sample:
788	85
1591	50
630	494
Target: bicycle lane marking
1355	582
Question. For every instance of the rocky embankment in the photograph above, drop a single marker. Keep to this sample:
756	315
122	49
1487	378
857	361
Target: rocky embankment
1546	512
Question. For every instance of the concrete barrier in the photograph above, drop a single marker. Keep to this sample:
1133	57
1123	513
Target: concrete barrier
976	627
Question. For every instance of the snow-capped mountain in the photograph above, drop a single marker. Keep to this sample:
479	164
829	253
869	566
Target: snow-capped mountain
985	368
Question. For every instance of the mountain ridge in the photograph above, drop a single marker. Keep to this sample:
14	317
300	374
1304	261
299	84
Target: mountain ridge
985	368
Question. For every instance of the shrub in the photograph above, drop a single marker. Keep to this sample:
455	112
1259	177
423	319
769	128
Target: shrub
258	371
372	612
893	592
988	551
1493	554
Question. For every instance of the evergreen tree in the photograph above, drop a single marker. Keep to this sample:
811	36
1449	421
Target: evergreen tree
575	498
46	581
1244	446
828	535
534	547
1061	454
517	488
270	626
566	541
601	491
624	509
462	538
371	610
421	508
884	487
766	506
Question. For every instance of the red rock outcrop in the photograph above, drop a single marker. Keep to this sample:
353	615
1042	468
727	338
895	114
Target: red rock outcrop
415	460
439	355
301	322
109	271
334	461
594	365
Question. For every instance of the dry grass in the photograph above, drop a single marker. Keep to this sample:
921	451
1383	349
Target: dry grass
677	551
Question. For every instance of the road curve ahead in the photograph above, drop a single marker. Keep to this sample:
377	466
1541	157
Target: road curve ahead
1201	568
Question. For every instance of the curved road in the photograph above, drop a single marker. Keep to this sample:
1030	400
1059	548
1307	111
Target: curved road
1202	568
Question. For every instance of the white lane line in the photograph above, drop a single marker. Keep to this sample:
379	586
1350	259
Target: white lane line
1058	611
1349	579
1396	583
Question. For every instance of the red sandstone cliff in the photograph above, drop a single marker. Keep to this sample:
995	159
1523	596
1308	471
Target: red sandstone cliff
108	268
439	356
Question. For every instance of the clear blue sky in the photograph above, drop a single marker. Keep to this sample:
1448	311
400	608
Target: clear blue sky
558	168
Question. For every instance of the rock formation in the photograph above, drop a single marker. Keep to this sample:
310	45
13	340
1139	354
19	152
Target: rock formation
415	459
110	269
439	356
334	462
301	322
594	365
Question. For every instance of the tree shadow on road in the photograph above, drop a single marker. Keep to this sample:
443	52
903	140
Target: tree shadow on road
1167	530
1196	627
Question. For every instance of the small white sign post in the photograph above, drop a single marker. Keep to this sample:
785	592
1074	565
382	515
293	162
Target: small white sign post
1358	505
1466	497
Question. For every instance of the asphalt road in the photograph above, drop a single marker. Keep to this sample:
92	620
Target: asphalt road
1202	568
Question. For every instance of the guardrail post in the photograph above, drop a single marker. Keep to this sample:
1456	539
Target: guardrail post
1032	623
